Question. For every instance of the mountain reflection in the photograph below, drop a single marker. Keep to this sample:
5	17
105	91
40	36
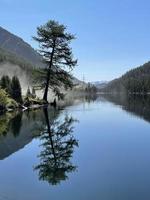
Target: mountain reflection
138	105
17	129
58	145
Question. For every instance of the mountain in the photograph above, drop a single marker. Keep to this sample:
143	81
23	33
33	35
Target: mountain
17	46
136	80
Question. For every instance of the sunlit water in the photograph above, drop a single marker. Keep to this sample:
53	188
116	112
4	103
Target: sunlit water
90	150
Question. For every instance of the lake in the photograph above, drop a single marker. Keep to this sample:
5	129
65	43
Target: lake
92	148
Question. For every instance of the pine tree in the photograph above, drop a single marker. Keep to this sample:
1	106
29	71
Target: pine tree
54	48
33	92
28	94
16	89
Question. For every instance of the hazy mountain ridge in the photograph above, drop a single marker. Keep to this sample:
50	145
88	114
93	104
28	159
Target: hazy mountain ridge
18	46
7	56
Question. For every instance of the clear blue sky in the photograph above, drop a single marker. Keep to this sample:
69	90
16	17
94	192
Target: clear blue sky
113	36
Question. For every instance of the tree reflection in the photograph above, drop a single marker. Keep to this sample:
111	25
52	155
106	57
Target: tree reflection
58	145
91	97
10	121
16	124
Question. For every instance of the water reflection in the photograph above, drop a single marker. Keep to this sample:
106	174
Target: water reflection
138	105
5	123
120	163
58	142
16	124
58	145
17	129
56	133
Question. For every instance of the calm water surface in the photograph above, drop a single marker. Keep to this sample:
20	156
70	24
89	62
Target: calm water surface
94	149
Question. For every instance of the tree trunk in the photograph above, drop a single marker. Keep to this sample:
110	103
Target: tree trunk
48	75
46	86
50	133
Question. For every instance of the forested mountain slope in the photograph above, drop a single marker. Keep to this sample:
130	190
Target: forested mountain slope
134	81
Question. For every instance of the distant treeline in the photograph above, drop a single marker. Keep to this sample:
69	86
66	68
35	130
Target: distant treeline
14	59
134	81
90	88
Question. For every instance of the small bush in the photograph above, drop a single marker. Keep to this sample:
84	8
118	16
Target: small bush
5	101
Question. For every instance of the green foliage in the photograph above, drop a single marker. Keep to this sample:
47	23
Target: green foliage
10	121
28	101
5	84
54	48
6	102
11	88
16	89
11	103
3	97
3	125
